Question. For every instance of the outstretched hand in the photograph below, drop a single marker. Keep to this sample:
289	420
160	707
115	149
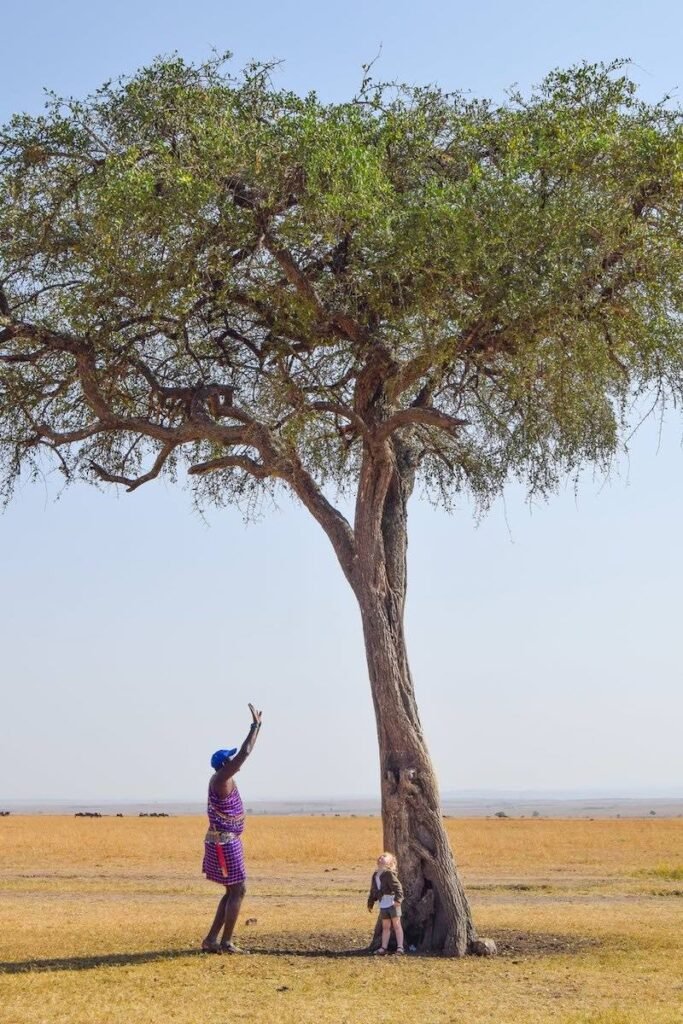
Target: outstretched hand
255	715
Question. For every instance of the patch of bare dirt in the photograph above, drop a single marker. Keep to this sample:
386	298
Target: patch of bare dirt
521	944
514	944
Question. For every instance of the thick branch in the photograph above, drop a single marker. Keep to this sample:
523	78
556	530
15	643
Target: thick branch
342	323
342	411
294	275
289	469
409	373
420	415
132	483
377	469
250	466
16	329
60	438
335	525
199	426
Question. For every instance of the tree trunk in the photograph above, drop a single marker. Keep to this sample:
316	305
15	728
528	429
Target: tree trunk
436	914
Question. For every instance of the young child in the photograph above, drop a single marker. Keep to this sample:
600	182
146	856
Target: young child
386	887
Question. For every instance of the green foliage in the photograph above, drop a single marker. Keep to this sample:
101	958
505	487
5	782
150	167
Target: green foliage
211	267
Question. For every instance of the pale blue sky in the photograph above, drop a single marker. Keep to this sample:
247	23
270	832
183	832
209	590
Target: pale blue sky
545	644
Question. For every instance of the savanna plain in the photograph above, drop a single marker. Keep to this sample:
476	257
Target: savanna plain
101	920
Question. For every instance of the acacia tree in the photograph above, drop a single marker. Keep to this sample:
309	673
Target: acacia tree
205	273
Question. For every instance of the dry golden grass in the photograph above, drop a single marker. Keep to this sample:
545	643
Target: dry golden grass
100	920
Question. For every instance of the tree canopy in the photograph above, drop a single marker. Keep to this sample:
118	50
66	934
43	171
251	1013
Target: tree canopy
208	272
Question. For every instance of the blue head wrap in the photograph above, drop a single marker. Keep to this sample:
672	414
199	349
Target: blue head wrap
220	757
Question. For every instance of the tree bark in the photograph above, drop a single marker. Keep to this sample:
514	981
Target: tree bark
436	913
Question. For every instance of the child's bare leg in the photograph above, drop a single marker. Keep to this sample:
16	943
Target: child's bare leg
398	931
386	932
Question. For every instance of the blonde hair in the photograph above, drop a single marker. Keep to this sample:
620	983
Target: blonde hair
388	860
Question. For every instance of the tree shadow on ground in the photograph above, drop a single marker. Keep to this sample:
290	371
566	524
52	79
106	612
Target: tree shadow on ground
86	963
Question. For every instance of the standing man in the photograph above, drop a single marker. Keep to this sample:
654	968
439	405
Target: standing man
223	852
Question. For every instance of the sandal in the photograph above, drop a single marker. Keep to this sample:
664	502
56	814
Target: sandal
211	947
400	951
381	951
230	947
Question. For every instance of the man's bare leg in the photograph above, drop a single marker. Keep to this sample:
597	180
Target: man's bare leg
233	905
210	943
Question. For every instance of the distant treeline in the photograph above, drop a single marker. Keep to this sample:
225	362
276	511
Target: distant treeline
98	814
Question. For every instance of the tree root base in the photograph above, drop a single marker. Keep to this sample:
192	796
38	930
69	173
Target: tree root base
483	947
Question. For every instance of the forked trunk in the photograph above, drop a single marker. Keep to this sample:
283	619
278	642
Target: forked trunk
436	914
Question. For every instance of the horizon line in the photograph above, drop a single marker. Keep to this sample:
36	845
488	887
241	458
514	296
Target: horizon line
450	796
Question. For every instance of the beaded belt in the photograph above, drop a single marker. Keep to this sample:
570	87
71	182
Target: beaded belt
215	836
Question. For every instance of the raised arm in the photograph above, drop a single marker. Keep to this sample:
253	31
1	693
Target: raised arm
235	763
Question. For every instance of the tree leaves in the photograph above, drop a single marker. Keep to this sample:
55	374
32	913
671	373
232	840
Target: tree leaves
516	268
